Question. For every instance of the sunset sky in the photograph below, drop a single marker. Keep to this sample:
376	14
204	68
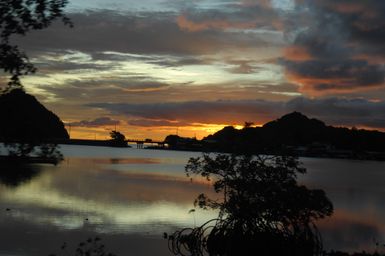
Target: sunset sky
158	67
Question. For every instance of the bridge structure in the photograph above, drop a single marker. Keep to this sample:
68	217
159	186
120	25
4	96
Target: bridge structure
140	143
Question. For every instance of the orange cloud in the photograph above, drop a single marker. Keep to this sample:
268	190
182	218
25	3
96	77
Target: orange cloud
90	133
297	53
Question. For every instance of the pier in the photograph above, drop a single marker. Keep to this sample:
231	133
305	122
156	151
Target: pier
107	143
140	143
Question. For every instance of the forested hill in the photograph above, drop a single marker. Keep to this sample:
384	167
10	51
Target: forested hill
298	132
24	118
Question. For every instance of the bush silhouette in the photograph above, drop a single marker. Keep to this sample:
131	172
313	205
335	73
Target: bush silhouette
117	139
264	211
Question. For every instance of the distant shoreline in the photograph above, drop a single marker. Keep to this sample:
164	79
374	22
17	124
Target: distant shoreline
336	154
85	142
333	154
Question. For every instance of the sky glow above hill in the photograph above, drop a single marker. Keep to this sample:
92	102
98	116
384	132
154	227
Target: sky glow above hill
156	66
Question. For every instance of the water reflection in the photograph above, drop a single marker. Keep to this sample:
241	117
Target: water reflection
128	161
21	237
356	189
130	197
84	197
350	231
13	175
108	199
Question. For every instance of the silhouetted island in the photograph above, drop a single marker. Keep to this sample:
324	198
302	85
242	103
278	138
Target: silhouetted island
293	133
28	130
24	118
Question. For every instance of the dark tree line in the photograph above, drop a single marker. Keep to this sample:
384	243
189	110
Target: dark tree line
292	131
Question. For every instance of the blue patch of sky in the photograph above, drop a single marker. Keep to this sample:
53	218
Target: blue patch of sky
148	5
119	5
285	5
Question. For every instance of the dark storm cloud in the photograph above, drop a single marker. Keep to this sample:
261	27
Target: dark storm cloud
363	19
82	92
334	111
345	74
143	33
337	111
347	35
356	20
230	16
106	89
101	121
47	67
344	43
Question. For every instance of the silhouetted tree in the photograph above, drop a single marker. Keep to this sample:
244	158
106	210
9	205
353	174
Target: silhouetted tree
117	136
18	17
248	124
263	211
50	150
118	139
172	140
22	152
19	149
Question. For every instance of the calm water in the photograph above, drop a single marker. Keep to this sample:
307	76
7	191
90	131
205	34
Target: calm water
129	197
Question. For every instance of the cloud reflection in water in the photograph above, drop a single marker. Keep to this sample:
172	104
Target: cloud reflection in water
110	200
131	200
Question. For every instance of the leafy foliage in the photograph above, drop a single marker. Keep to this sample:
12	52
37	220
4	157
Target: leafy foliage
264	210
117	139
117	136
18	17
50	150
24	150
